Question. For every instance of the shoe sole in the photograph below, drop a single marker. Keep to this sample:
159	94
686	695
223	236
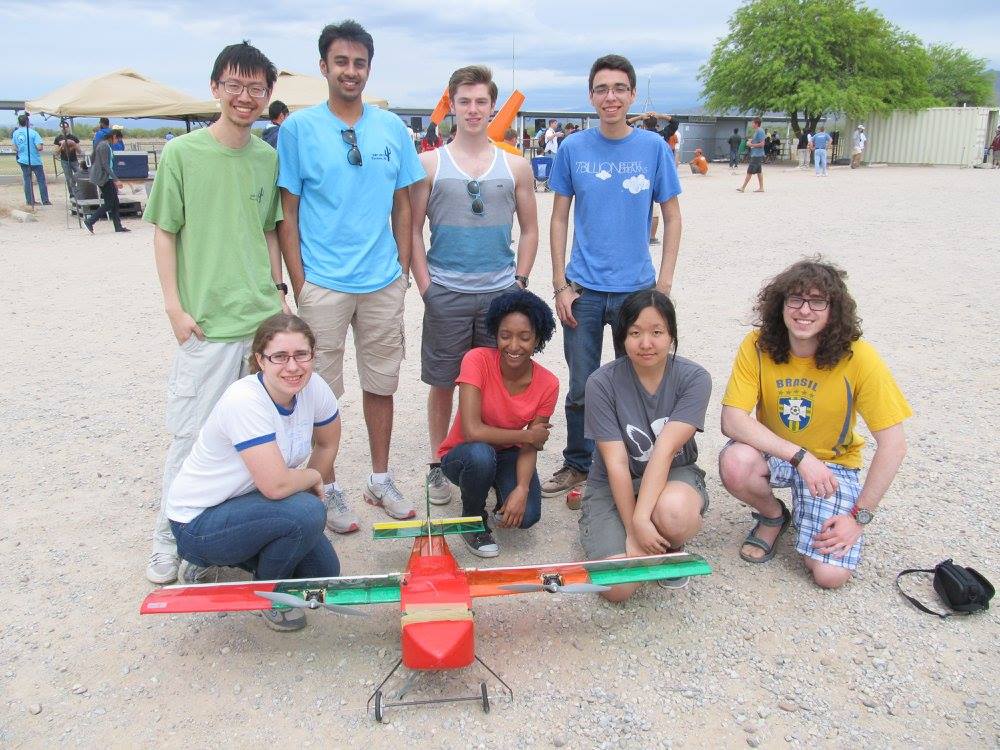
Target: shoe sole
480	553
159	580
440	499
280	628
563	490
670	585
349	530
372	500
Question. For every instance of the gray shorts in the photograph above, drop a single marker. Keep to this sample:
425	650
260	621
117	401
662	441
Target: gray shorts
602	532
454	323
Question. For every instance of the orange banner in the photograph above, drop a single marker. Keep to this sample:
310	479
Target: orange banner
505	116
442	109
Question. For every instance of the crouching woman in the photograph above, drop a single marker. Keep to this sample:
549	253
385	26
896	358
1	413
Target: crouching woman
239	499
645	493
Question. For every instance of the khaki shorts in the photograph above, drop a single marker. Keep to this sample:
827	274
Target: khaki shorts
602	532
379	342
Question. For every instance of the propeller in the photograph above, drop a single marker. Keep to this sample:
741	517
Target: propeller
290	600
555	588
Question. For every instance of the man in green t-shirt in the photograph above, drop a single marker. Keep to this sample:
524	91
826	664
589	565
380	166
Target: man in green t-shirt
215	207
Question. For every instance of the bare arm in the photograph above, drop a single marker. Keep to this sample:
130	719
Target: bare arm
288	241
274	256
889	453
402	227
671	212
620	480
669	442
326	444
527	214
165	254
420	193
558	232
524	469
273	478
474	430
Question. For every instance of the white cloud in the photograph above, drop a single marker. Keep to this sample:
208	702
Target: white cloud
636	184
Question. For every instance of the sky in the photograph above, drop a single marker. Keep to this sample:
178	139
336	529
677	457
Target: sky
544	49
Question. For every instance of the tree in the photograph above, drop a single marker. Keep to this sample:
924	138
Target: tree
815	57
957	78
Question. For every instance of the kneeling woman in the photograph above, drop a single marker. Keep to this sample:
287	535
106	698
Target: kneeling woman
645	494
505	400
238	499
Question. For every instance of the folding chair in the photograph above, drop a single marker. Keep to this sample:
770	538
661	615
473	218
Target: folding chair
541	166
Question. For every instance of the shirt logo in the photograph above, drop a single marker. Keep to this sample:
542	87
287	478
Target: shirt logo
795	413
258	196
382	155
636	184
644	443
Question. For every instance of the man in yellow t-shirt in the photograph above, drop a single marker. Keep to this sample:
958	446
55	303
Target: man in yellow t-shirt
807	375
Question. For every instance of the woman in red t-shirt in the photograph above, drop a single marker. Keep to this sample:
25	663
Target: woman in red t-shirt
505	400
431	139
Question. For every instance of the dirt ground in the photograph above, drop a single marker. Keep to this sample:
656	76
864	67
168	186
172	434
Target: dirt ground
751	655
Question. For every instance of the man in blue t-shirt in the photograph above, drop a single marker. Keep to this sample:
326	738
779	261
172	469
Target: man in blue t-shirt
820	145
104	127
345	169
756	144
29	157
615	174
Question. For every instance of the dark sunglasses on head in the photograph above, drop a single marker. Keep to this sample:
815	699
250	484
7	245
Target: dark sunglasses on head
353	153
478	207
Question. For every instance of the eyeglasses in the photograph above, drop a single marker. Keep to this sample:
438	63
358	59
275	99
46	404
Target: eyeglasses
620	89
474	188
281	358
816	304
354	153
235	88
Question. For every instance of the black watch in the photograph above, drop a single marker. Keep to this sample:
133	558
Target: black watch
523	280
282	287
797	458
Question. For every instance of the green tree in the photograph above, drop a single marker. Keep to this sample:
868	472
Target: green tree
958	78
812	57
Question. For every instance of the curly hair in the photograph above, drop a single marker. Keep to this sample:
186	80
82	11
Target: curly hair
531	306
843	326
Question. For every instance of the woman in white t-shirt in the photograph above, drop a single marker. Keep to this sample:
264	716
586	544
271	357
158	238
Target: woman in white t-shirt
239	499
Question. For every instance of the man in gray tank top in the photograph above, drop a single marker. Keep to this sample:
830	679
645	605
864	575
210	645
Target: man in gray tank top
469	197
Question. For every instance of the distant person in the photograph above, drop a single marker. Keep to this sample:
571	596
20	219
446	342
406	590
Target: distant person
569	129
29	147
734	142
214	206
431	139
797	385
552	138
68	147
277	111
169	136
509	142
820	145
775	146
756	144
699	164
118	144
103	127
802	147
102	174
995	147
858	150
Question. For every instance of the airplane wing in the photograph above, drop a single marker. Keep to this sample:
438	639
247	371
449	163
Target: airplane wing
241	595
491	581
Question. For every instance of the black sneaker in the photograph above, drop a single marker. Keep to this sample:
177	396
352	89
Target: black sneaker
481	543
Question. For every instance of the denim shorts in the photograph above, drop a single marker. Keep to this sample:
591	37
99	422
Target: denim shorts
602	532
809	513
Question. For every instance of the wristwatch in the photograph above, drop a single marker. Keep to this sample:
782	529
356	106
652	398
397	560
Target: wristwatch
797	458
282	287
862	515
523	280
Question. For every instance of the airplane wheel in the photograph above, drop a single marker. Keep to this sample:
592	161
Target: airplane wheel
486	697
378	706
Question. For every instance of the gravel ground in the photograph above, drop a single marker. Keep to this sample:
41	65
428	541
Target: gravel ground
751	655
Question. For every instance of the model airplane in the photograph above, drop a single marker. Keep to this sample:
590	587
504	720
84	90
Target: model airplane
434	594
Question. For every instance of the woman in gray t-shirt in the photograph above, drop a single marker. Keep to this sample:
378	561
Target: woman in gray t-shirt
645	493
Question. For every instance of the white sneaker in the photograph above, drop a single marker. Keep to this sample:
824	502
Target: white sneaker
162	567
339	517
388	497
438	486
189	573
673	583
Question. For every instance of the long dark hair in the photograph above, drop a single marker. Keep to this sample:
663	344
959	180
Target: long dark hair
278	323
634	304
842	329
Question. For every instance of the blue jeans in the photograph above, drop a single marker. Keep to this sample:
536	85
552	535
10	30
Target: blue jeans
820	160
734	158
273	539
476	467
29	192
582	346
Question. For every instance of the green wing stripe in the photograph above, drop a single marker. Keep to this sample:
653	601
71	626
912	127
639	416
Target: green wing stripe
650	573
375	595
436	528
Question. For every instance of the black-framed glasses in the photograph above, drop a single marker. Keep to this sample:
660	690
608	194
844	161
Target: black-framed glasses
474	188
816	304
353	153
281	358
235	88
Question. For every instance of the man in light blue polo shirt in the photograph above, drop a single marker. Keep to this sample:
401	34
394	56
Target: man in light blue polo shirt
344	174
617	176
756	144
29	157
